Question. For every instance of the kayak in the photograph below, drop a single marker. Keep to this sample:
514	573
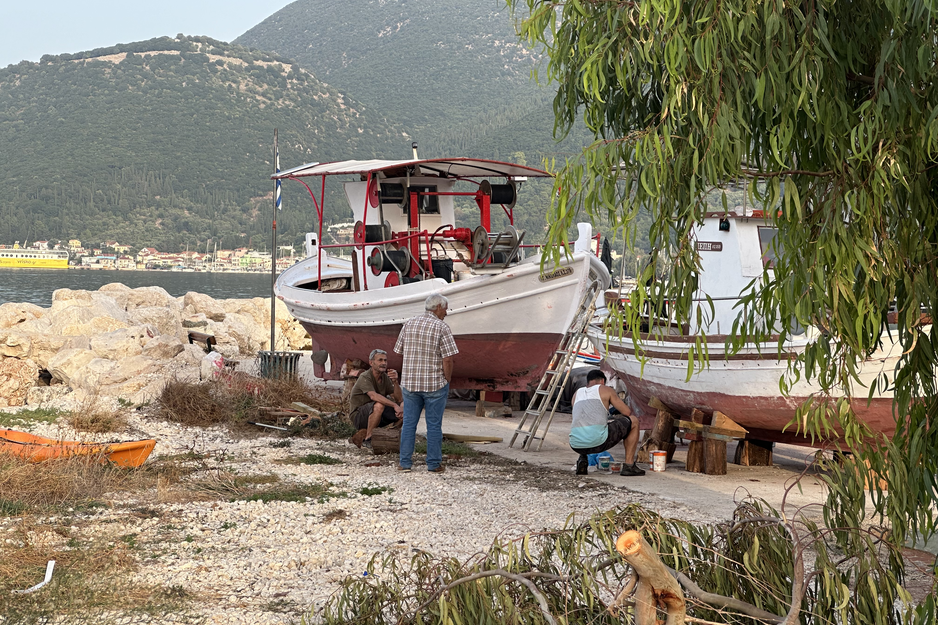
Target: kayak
38	448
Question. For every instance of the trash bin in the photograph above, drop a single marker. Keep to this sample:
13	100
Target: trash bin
278	365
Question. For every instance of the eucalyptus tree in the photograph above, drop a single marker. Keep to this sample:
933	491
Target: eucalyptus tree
828	111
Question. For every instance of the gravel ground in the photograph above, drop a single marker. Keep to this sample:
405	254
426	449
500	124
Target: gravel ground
254	562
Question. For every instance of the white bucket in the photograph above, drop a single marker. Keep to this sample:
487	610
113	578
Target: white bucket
659	460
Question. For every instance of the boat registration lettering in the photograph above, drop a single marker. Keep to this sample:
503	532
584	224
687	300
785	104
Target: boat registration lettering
560	272
709	246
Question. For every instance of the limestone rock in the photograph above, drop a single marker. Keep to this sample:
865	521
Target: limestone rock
71	295
197	322
163	347
12	314
91	376
201	303
147	296
65	364
166	320
16	378
191	355
39	396
38	346
123	343
80	316
118	292
127	369
240	331
15	344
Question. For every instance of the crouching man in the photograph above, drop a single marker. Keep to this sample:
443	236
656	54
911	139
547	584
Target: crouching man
593	431
376	397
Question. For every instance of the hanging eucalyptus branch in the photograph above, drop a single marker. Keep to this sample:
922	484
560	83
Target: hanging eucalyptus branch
828	111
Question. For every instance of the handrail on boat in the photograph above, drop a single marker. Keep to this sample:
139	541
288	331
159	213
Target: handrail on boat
596	237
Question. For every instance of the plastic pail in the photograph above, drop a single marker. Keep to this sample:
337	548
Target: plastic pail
659	460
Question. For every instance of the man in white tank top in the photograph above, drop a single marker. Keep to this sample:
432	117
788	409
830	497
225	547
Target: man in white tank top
594	431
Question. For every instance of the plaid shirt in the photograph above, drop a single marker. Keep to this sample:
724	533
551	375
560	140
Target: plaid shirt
425	341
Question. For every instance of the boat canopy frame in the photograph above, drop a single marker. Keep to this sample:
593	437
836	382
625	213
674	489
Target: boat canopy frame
465	169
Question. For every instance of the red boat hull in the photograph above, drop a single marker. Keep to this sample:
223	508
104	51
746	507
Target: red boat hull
494	362
764	417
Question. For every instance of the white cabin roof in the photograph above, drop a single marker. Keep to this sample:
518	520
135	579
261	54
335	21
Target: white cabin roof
447	167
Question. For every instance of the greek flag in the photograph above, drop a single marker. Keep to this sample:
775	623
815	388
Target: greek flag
277	198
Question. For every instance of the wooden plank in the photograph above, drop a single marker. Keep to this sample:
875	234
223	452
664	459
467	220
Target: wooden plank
316	414
720	420
657	404
708	429
471	438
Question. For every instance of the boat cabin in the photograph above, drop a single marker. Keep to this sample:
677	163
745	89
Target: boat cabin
734	249
405	219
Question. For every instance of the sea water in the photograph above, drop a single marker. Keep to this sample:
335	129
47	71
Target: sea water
37	285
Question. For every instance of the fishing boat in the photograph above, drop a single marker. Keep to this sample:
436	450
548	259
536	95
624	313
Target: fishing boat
743	385
34	259
36	448
507	313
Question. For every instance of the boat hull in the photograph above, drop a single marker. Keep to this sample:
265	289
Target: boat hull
35	448
744	386
506	325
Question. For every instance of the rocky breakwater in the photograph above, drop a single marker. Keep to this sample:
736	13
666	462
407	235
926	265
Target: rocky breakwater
123	343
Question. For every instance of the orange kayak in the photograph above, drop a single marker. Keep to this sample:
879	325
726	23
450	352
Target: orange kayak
38	448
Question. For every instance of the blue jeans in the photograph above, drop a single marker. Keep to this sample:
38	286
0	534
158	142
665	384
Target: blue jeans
434	402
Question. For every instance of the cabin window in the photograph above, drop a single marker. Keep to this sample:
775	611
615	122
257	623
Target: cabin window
766	237
426	204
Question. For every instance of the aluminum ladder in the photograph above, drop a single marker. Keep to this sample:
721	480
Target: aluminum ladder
547	395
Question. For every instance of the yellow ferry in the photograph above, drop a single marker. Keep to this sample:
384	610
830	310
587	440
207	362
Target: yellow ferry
34	259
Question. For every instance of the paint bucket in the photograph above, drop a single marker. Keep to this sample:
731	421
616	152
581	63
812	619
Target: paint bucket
604	463
659	459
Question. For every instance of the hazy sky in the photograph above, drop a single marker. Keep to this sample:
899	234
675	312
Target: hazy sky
31	28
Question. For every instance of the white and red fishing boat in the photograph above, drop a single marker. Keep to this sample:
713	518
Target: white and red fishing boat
744	385
507	314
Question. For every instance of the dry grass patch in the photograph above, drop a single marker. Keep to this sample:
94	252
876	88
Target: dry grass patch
89	584
237	399
29	487
265	487
94	416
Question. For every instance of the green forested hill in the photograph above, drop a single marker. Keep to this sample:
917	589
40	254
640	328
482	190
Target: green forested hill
166	142
453	73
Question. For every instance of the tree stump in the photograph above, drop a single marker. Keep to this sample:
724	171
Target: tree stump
750	453
386	440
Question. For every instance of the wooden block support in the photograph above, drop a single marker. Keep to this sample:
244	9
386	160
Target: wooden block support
660	436
386	440
514	401
753	453
695	457
714	457
707	456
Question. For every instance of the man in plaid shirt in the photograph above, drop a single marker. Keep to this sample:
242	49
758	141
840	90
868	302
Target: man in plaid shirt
428	348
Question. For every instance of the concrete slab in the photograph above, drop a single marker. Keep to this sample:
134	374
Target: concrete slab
717	494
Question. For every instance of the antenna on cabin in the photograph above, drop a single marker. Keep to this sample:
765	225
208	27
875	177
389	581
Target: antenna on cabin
414	148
